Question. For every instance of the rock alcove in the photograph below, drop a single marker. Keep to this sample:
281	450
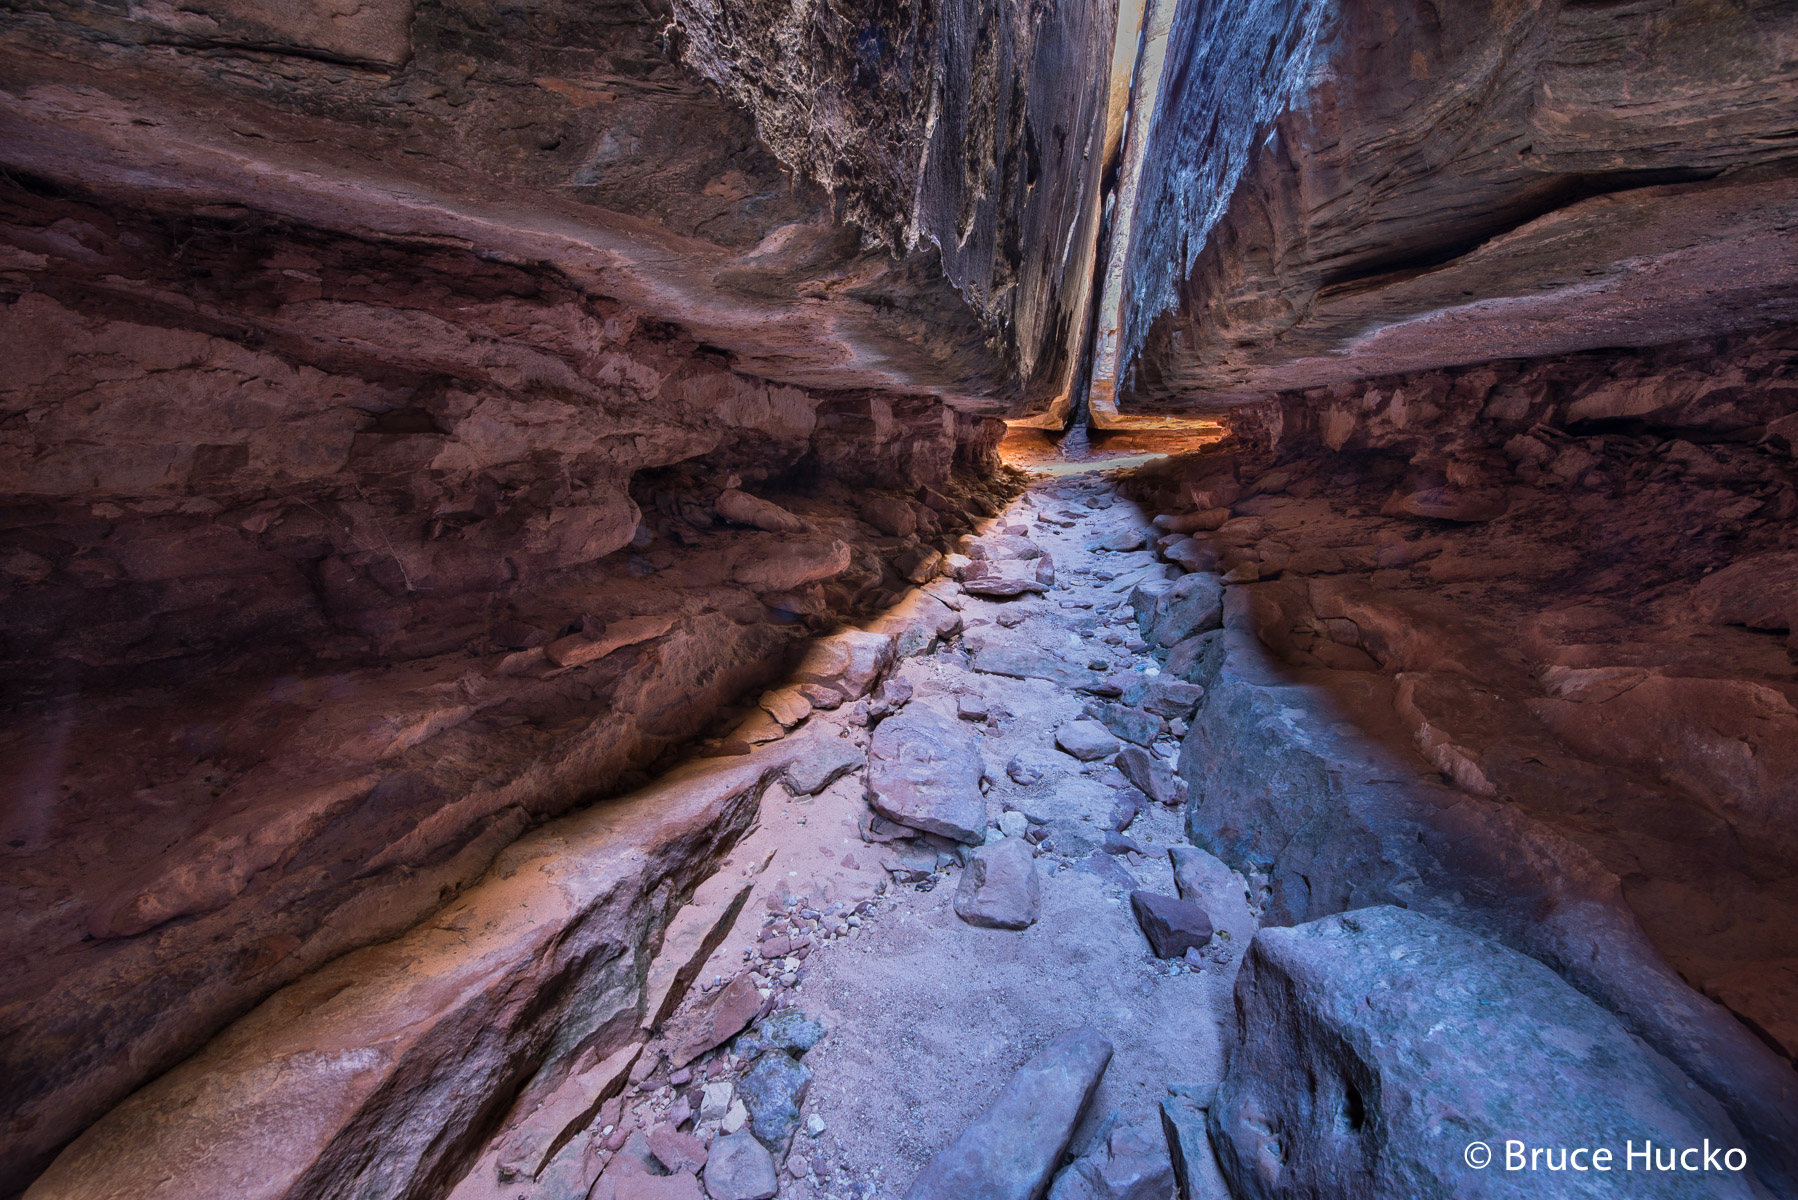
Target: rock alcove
674	599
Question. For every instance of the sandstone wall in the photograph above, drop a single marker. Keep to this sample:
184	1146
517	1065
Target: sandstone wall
1384	188
1509	644
331	566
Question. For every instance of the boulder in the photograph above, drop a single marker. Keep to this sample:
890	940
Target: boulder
831	757
1193	555
579	648
1209	882
1193	522
1169	696
1153	777
847	662
1131	724
1125	1162
1009	1152
675	1150
787	705
1011	579
1188	1142
788	1030
1187	660
1143	598
740	1168
1121	541
774	1091
1193	604
917	623
1087	741
1000	887
777	565
891	515
1030	662
924	771
1171	924
729	1011
744	509
920	564
1386	1043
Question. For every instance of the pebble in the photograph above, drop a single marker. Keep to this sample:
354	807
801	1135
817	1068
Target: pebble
735	1117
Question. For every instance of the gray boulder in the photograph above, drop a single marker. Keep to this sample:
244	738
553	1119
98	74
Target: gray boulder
740	1168
774	1091
1166	696
1143	598
1154	778
1030	662
1188	1143
924	772
1194	604
1131	724
1376	1046
1000	887
1125	1162
1011	1150
788	1030
1087	741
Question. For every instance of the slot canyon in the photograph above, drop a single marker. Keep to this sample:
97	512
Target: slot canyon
927	599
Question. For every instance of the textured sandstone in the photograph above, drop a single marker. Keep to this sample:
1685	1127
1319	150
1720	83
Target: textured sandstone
1352	1067
391	1045
1388	191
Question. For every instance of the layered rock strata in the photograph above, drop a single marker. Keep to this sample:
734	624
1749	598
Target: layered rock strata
331	567
1383	190
1490	650
892	206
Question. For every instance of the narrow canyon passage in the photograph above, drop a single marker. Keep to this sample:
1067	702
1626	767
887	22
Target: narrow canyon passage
849	599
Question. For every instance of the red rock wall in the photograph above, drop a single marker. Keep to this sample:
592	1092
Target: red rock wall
331	566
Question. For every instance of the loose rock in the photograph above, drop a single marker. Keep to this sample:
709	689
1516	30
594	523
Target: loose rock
740	1168
676	1150
1009	1152
774	1091
729	1011
1126	1163
1170	923
924	771
1087	741
1000	887
1155	779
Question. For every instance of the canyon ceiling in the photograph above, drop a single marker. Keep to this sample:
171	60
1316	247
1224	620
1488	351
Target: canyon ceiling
424	418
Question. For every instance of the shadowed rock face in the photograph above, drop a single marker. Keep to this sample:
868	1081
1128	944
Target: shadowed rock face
1488	653
1385	189
582	137
1355	1103
333	563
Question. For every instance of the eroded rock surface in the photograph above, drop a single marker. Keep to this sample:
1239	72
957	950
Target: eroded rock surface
1009	1153
1345	1070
